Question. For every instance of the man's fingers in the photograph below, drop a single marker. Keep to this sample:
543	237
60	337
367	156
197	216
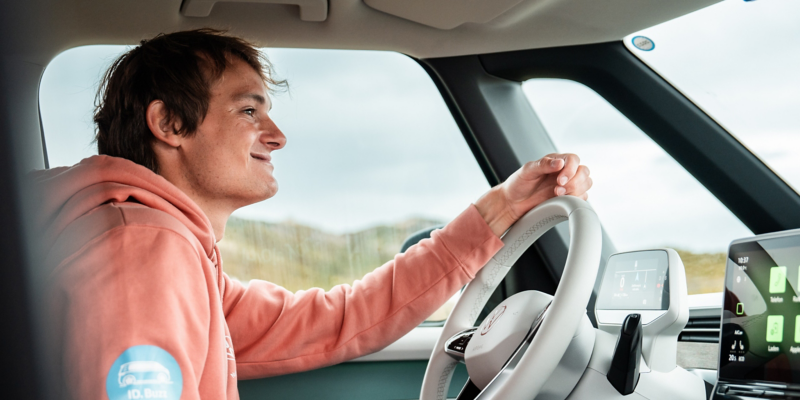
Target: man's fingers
571	164
580	184
543	166
551	163
570	177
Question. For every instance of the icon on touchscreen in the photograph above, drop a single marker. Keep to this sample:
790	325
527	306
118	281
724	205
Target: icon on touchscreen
798	278
777	279
775	328
739	308
797	329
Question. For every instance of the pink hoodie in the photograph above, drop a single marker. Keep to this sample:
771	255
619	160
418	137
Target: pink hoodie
142	309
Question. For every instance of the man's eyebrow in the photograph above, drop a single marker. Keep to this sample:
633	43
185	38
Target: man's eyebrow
252	96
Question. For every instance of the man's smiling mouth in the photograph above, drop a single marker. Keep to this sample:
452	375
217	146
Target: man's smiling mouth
261	157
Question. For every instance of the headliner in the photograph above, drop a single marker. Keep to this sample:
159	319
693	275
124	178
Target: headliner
40	29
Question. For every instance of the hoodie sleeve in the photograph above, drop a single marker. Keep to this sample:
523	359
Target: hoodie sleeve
133	307
277	332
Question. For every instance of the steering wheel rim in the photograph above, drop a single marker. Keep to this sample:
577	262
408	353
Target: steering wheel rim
564	314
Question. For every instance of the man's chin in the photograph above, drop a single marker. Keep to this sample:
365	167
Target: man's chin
255	194
266	193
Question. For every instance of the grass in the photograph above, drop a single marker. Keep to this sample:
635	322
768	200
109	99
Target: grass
299	257
705	272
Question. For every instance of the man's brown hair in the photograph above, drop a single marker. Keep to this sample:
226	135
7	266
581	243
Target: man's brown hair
178	69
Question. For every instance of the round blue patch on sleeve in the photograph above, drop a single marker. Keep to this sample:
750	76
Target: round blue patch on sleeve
144	372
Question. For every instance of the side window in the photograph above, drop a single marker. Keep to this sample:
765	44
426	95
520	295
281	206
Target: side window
372	156
643	196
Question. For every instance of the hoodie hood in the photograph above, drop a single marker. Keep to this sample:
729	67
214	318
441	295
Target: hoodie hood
68	193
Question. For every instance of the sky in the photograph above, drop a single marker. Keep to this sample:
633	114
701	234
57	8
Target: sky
644	198
740	62
370	140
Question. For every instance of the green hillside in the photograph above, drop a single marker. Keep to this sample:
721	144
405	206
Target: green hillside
705	272
300	257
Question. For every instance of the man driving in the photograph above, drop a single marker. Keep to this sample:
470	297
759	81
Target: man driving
140	303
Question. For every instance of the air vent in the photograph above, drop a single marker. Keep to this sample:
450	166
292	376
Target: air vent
701	329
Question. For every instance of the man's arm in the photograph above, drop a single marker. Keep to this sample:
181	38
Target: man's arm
277	332
136	294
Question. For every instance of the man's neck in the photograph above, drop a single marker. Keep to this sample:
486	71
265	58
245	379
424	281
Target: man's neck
217	215
216	211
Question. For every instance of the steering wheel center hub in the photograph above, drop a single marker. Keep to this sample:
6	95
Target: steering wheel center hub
501	333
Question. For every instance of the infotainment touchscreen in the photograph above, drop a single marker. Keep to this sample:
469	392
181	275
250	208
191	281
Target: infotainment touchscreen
760	339
635	281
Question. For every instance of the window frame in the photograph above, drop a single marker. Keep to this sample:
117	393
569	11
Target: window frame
750	190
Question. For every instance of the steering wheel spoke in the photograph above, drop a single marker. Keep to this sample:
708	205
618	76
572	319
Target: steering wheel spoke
511	364
457	344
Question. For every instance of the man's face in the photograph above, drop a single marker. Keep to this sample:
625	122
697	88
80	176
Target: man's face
228	159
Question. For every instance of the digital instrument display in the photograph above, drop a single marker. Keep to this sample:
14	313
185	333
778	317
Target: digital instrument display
635	281
760	338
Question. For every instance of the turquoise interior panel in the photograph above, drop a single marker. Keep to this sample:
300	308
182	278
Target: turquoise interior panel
386	380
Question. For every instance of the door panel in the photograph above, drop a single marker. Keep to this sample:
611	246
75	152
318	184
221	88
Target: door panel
381	380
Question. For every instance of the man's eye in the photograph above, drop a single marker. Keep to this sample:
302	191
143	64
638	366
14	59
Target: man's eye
250	111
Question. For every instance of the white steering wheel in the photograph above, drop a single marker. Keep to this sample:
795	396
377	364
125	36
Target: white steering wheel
552	334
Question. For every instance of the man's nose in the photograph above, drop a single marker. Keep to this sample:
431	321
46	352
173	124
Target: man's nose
272	136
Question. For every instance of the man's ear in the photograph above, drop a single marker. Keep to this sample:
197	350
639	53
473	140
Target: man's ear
163	128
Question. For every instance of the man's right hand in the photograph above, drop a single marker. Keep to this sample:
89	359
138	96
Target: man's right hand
552	175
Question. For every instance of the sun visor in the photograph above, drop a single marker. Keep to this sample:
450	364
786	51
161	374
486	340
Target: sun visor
444	14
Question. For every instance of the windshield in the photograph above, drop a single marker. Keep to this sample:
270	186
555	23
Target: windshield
739	61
